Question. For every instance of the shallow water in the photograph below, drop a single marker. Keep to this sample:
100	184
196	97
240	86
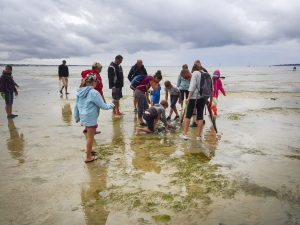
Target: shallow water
248	173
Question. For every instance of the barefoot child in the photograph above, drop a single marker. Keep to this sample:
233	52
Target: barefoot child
88	103
217	84
174	96
152	115
155	96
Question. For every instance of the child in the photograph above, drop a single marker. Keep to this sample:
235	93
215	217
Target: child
174	96
8	88
183	82
152	115
155	96
88	103
217	85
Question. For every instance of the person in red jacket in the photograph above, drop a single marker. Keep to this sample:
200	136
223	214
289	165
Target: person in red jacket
96	69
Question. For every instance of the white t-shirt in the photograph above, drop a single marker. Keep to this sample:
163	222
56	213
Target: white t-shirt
195	85
173	90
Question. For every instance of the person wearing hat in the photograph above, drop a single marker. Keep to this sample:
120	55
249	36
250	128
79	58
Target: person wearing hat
63	74
217	86
86	110
96	69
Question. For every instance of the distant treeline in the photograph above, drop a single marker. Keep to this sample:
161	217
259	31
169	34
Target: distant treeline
297	64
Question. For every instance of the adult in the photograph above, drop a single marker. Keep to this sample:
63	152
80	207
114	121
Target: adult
195	99
136	69
7	89
116	83
183	83
96	69
63	74
142	96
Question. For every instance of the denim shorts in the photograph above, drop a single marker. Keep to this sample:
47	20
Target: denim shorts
174	99
9	98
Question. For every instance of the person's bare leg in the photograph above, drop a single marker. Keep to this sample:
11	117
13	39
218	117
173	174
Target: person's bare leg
186	125
89	143
171	112
199	127
116	103
8	109
176	112
134	102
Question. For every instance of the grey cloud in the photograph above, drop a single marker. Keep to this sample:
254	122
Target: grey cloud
57	29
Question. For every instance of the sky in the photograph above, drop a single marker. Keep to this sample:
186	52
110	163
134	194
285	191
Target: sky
161	32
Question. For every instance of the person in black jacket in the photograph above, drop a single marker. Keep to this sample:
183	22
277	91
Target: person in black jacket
8	88
136	69
63	74
116	82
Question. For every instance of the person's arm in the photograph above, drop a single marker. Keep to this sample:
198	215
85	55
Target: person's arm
167	94
163	118
179	97
67	71
147	96
59	71
98	100
193	86
111	77
178	81
221	88
130	74
76	113
145	71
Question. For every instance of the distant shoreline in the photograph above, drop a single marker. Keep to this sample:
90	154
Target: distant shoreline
41	65
297	64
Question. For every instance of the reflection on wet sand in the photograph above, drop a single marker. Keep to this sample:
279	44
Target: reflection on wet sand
93	207
211	141
15	143
117	136
67	113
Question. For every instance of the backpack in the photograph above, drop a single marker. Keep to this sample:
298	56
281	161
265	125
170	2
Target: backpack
136	81
206	88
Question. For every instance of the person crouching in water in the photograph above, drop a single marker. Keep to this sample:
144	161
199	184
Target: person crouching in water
152	115
141	93
86	110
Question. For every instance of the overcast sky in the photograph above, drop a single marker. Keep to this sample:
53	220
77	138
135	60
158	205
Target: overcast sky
161	32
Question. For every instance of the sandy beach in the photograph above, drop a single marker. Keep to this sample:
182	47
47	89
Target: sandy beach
248	173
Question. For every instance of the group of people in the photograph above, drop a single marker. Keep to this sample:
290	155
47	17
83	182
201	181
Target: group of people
191	85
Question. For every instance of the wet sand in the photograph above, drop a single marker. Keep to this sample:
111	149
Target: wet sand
246	174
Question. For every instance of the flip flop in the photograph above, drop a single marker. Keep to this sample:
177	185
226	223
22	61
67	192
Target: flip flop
93	159
93	153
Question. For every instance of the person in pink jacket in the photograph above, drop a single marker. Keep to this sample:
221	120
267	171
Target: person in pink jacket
218	86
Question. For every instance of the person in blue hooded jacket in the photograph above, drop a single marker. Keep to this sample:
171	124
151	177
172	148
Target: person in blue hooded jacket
86	110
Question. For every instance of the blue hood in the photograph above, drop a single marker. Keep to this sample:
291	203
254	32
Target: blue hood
83	91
